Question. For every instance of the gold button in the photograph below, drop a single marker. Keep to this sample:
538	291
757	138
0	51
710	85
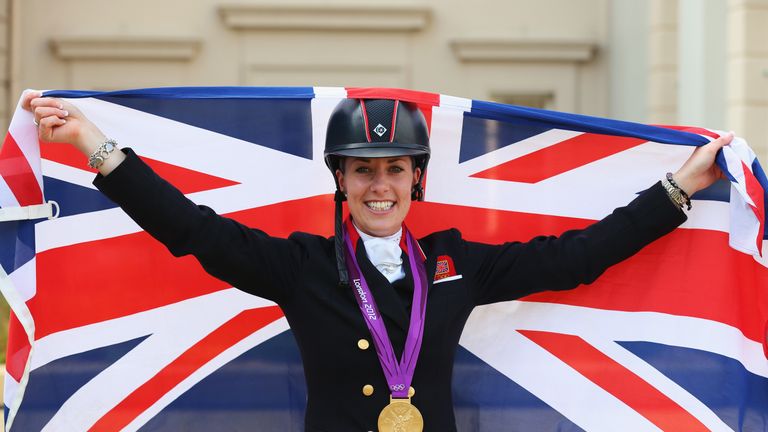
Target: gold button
363	344
367	389
411	392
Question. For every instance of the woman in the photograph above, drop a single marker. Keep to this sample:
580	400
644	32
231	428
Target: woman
373	284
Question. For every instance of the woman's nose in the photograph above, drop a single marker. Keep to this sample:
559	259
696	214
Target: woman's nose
379	183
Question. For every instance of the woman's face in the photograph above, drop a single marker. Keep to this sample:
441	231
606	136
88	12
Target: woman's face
378	192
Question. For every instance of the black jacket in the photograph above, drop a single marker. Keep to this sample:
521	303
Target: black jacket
299	274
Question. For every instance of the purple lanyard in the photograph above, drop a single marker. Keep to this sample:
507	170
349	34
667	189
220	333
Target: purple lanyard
398	374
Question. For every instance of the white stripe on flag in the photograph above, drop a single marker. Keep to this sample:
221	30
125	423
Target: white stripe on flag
13	295
24	280
735	162
267	332
547	377
9	390
602	329
660	381
24	132
173	329
454	102
68	174
744	225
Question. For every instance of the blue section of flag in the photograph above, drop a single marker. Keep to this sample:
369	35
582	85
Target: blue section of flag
18	244
75	199
480	136
757	170
51	385
264	386
479	389
718	191
288	130
737	396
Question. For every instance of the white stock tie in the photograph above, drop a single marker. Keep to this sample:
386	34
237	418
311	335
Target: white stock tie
385	254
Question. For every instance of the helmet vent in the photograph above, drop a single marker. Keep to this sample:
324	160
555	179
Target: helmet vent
381	113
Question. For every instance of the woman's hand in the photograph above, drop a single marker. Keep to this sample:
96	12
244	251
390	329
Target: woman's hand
60	121
700	171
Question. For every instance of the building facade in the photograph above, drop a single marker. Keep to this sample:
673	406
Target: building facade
656	61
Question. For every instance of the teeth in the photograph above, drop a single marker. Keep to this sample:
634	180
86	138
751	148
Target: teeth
379	205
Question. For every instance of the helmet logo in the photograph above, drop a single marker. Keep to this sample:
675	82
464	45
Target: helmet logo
380	130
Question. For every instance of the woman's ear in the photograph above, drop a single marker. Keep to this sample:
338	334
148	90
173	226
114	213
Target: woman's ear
340	179
416	175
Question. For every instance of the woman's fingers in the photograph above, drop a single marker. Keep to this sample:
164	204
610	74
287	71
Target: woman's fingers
28	96
47	125
721	142
51	122
40	102
45	111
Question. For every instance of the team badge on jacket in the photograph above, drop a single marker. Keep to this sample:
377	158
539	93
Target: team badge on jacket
445	270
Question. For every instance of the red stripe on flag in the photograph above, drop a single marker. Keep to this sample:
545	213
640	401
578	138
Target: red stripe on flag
704	282
17	173
692	280
756	193
64	154
186	180
18	348
562	157
221	339
692	129
617	380
413	96
144	274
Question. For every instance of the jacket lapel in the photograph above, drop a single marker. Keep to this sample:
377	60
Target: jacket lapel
387	300
429	267
386	297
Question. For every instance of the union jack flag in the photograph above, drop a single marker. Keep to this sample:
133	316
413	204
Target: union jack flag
671	339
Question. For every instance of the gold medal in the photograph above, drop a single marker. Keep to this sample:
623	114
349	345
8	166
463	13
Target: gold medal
400	416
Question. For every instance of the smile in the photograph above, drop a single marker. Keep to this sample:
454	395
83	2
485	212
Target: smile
380	205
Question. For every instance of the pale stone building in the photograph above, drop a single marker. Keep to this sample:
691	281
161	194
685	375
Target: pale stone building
659	61
697	62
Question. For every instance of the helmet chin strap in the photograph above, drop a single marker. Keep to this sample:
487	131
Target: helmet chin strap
339	240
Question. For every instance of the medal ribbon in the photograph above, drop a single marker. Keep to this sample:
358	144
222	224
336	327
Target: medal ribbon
399	374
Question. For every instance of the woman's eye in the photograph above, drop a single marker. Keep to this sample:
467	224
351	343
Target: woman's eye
362	170
396	169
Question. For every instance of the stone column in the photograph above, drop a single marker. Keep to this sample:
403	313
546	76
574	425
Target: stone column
702	42
747	96
662	61
5	103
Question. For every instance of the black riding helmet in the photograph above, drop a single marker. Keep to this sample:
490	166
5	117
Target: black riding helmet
377	128
372	128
